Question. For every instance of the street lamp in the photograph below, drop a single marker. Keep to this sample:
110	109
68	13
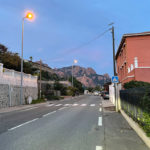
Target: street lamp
29	16
74	62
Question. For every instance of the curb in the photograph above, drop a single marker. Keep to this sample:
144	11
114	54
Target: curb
136	128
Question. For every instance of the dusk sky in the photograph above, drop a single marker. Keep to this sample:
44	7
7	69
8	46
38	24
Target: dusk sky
61	26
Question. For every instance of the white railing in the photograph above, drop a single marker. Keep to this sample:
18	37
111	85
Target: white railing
12	77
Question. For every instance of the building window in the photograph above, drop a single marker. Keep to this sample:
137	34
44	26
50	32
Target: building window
136	62
132	67
128	69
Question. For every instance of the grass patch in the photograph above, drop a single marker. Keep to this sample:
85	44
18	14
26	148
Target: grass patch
38	101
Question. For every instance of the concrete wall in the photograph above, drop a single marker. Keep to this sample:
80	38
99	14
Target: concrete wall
10	87
8	76
10	95
116	101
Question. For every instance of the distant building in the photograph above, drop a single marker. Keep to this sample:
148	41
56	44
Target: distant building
133	57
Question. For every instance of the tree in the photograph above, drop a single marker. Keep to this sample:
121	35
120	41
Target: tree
77	84
60	87
31	58
90	89
49	76
3	48
13	61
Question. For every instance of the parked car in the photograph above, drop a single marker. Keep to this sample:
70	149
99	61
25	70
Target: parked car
96	93
106	95
102	93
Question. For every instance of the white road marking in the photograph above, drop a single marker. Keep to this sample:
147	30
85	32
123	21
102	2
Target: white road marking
100	104
83	104
67	104
92	105
75	104
99	148
49	113
62	108
23	124
100	109
100	121
58	105
29	109
50	105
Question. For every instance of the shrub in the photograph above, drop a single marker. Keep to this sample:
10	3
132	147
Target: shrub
134	84
38	101
52	97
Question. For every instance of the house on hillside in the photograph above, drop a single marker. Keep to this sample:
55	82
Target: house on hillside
133	57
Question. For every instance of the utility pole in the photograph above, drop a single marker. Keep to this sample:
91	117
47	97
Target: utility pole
114	62
74	62
40	75
72	75
21	83
114	66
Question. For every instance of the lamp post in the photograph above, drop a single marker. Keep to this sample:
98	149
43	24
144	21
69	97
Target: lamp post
74	62
29	16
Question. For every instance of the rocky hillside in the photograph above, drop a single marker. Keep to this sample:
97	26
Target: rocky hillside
87	76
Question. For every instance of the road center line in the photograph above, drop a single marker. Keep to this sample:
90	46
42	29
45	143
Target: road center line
100	121
92	105
49	113
23	124
99	148
100	109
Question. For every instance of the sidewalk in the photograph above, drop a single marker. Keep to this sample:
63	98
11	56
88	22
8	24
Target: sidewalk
108	105
118	134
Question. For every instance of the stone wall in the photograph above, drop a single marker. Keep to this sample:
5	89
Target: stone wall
10	95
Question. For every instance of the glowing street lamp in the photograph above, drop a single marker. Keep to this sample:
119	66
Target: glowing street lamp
29	16
74	62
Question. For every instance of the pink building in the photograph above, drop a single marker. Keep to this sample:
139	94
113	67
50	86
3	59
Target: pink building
133	57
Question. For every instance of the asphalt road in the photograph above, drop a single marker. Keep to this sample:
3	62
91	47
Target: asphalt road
78	124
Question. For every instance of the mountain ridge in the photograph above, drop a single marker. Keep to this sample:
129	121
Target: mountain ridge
87	76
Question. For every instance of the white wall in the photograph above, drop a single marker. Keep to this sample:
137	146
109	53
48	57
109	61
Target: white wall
111	93
12	77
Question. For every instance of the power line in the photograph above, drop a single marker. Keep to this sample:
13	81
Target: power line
89	42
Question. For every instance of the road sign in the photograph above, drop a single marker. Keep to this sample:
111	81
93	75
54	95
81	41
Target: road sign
115	79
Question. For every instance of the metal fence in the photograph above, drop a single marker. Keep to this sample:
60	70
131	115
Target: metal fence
136	103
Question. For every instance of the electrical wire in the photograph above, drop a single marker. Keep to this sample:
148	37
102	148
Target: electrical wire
89	42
